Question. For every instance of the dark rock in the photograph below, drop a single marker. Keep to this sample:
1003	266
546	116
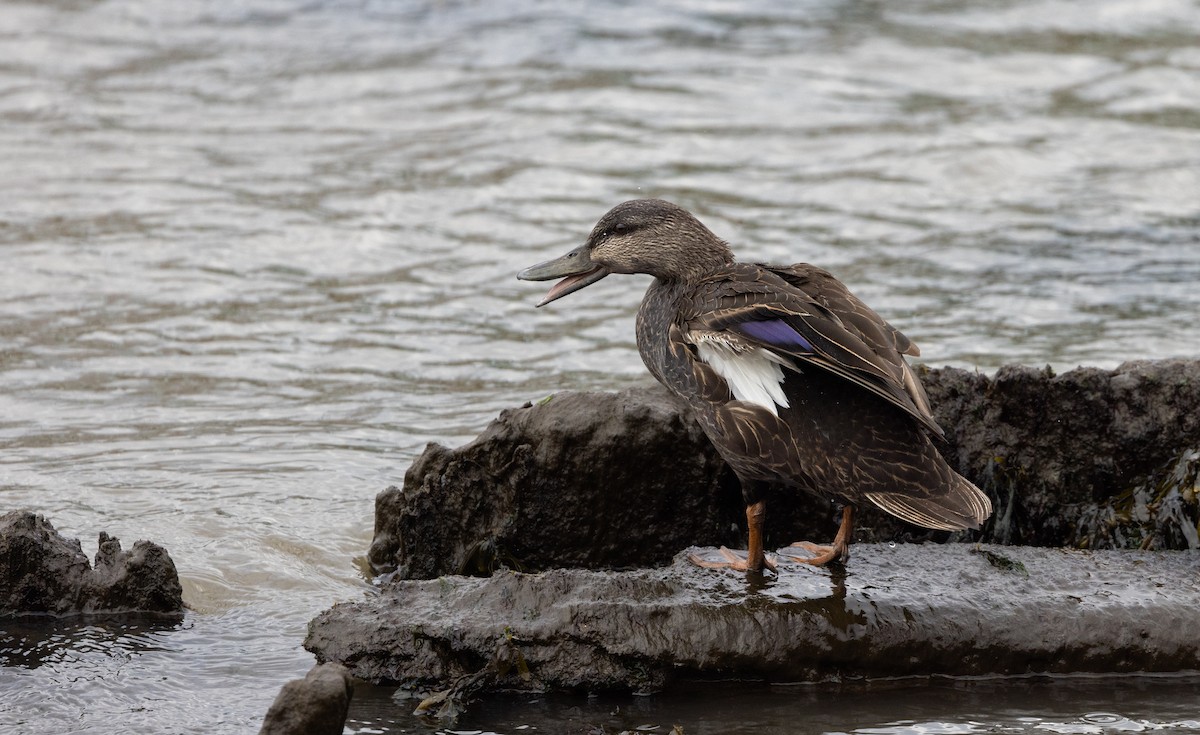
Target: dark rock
42	572
601	480
314	705
952	609
1092	458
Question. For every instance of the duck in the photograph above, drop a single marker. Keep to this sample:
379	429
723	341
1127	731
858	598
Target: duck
798	384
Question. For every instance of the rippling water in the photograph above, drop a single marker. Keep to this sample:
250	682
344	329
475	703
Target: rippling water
254	255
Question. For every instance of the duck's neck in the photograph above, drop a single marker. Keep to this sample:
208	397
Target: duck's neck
705	256
659	308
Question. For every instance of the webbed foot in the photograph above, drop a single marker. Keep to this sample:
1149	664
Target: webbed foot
819	554
738	560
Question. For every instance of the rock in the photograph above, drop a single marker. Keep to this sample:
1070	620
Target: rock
956	609
599	480
314	705
594	482
1091	458
42	572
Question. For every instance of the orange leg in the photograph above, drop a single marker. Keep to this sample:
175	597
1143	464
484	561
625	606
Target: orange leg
755	558
838	551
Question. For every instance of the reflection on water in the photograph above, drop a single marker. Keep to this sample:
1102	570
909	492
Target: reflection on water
1083	705
69	643
253	256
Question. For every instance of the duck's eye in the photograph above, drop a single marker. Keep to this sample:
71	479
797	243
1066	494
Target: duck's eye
620	228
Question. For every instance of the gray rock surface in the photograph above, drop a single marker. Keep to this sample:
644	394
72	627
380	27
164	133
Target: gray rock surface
955	609
43	572
314	705
1088	459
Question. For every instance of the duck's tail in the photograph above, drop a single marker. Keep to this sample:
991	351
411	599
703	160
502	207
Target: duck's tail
959	506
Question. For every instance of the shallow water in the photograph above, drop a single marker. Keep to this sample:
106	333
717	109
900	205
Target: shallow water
253	256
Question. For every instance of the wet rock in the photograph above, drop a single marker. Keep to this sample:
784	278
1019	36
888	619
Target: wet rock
1091	458
42	572
600	480
314	705
953	609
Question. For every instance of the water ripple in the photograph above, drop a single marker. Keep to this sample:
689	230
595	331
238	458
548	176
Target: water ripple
256	255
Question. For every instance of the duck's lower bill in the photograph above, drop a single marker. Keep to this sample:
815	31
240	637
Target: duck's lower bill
579	272
572	284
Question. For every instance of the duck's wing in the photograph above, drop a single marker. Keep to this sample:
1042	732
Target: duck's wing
820	285
801	315
887	342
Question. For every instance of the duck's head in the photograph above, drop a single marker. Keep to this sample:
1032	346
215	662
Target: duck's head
640	236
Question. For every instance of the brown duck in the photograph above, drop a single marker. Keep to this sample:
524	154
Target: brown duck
794	379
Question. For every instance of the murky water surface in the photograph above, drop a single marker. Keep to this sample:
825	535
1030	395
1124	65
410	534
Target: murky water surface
254	255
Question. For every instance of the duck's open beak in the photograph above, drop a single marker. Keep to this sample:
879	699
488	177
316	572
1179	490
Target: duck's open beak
579	270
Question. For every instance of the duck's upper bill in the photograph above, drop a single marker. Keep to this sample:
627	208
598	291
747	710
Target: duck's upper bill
575	268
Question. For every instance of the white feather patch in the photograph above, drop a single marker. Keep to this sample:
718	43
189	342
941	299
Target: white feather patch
754	374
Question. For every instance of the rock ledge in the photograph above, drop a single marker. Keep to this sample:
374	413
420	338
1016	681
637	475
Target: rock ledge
955	609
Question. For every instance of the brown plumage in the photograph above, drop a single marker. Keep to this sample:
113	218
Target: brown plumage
793	378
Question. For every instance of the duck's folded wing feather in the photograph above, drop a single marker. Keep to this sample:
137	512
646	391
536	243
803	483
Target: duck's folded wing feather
887	341
820	285
763	309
